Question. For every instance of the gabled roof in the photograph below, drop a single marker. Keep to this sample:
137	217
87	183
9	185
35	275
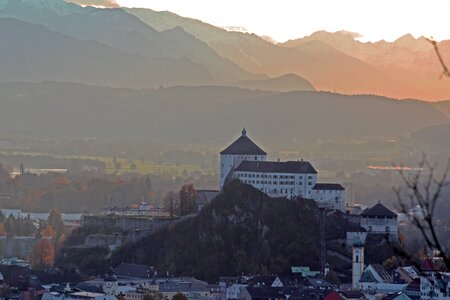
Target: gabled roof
243	145
290	167
328	187
379	210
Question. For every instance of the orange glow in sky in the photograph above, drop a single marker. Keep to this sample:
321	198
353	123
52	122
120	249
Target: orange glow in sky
289	19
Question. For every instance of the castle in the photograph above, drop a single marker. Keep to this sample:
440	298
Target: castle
246	161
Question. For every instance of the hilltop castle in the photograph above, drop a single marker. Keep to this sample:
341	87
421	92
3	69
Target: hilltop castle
246	161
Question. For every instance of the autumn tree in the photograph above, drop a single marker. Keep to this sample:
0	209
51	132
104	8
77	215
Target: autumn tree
43	254
48	231
55	221
188	198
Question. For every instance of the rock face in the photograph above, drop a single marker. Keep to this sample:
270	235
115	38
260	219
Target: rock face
241	231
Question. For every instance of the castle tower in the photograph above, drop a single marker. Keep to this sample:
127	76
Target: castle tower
357	262
241	149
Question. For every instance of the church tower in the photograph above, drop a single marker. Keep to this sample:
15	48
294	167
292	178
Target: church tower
357	262
241	149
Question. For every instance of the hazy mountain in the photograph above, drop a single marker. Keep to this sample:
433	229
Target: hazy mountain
123	31
204	115
34	53
437	135
406	68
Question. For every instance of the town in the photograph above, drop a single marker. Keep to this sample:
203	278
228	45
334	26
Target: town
243	161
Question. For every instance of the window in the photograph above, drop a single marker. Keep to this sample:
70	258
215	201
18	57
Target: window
357	258
370	228
387	229
256	157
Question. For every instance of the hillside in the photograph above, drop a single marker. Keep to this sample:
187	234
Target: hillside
204	115
241	232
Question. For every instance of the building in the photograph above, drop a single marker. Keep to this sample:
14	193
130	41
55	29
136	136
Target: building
379	220
434	284
357	262
246	161
329	195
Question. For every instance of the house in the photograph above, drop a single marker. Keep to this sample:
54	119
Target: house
375	278
379	220
413	289
332	295
70	293
434	284
246	161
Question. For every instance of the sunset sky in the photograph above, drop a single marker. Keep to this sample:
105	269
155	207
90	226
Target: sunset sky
289	19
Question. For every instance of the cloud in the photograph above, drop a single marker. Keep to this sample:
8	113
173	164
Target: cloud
102	3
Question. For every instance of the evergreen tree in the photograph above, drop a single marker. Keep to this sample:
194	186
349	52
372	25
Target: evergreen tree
55	221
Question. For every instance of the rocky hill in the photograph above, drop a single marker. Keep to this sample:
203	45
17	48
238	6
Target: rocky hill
242	231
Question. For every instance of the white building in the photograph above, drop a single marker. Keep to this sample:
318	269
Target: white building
246	161
379	220
329	195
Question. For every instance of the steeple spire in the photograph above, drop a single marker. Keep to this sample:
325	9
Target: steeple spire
244	132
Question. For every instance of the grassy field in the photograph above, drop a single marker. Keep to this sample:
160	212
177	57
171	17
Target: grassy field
124	165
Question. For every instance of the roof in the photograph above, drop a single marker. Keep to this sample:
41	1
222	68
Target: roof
243	145
379	210
265	292
131	270
428	265
393	296
303	167
262	280
328	187
353	294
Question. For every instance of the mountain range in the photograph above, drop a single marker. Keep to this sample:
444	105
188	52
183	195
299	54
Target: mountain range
204	115
152	48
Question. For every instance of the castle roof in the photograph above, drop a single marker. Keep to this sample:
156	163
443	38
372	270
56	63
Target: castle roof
303	167
379	210
328	187
243	145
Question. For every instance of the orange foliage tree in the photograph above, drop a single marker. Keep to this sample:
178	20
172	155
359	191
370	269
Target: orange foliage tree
43	254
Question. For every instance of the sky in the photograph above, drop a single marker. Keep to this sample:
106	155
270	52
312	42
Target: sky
289	19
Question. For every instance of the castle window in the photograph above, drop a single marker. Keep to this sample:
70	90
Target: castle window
256	157
387	229
357	258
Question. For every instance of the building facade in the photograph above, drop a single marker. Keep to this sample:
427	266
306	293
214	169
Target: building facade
246	161
379	220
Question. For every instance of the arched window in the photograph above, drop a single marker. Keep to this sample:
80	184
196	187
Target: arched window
357	258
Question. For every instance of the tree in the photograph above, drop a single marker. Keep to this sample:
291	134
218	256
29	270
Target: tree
48	231
179	296
43	254
171	202
55	221
188	197
423	189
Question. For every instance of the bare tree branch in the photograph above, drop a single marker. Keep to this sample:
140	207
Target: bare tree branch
423	188
446	71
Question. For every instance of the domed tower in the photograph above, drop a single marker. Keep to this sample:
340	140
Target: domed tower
357	262
241	149
110	284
